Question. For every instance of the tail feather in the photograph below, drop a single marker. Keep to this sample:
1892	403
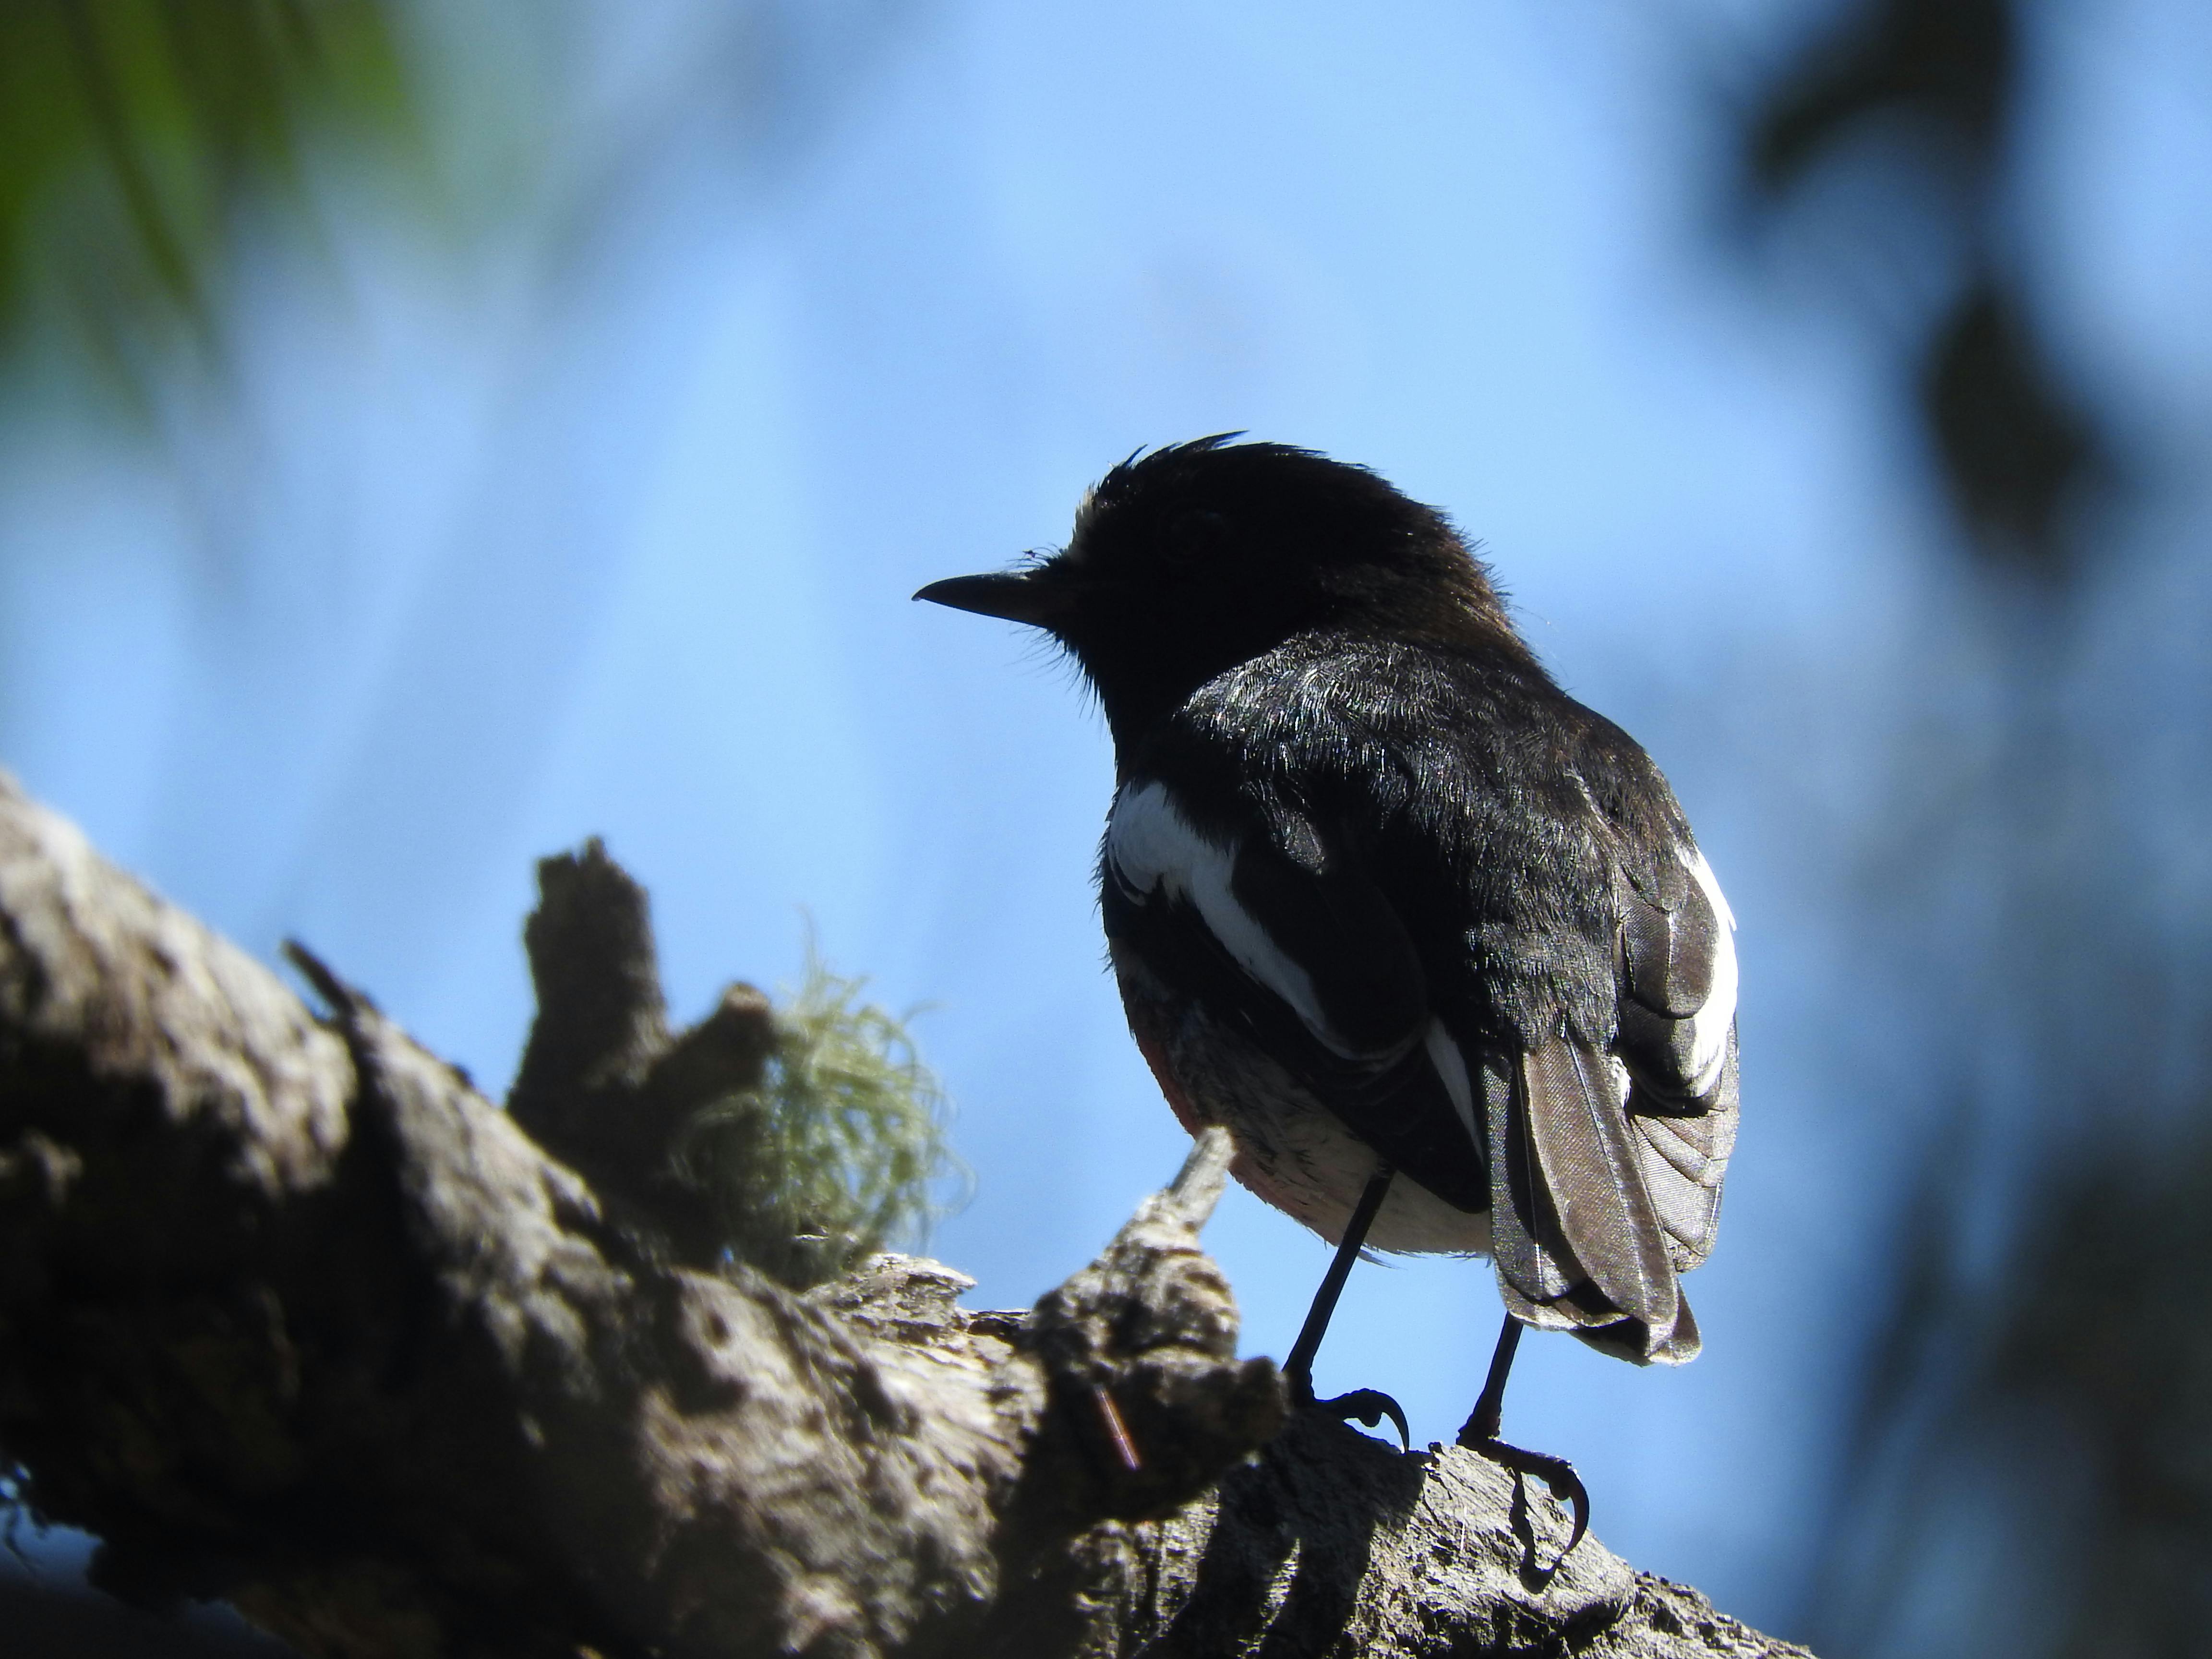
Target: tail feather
1589	1168
1536	1269
1579	1243
1636	1342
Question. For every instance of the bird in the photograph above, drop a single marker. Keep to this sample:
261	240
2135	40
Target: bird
1432	939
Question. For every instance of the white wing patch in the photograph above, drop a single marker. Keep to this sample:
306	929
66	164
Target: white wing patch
1709	1026
1152	847
1452	1066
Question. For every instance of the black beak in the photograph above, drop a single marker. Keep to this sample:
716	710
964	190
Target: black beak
1022	596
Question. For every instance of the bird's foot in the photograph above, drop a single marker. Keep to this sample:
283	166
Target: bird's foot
1368	1407
1554	1472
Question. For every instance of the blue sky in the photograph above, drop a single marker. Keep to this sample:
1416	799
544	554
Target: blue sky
604	520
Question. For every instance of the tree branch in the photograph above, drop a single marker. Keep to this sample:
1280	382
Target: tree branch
291	1316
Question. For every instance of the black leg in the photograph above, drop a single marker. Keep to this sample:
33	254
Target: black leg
1490	1410
1299	1366
1480	1435
1367	1406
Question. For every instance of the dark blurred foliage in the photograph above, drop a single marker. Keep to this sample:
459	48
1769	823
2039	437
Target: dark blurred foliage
47	1614
1942	77
2128	1381
137	136
86	1625
2030	1465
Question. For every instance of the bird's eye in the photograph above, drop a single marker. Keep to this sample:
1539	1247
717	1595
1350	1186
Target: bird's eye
1195	533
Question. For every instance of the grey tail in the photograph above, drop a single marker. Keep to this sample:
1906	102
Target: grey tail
1580	1244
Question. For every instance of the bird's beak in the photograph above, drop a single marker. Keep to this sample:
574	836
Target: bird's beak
1022	596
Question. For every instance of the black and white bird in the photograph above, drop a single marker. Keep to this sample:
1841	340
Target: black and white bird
1432	939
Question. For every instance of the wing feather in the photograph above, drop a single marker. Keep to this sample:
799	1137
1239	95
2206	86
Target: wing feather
1683	1160
1677	1039
1276	936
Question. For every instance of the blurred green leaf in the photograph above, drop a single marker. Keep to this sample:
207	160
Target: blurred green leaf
136	135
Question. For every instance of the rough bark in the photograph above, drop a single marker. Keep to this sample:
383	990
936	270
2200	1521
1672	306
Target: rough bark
291	1316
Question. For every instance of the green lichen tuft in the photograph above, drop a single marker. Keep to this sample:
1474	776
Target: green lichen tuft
840	1150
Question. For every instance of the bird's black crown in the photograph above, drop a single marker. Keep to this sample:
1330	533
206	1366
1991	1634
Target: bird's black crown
1190	559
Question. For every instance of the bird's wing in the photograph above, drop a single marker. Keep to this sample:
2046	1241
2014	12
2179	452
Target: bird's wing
1603	942
1280	934
1677	1043
1610	1164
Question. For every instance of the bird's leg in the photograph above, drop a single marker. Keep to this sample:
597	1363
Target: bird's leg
1480	1434
1367	1405
1299	1366
1489	1415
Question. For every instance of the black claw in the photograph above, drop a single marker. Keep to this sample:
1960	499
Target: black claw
1554	1472
1367	1406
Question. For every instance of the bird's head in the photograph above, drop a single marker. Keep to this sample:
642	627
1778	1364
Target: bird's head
1194	558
